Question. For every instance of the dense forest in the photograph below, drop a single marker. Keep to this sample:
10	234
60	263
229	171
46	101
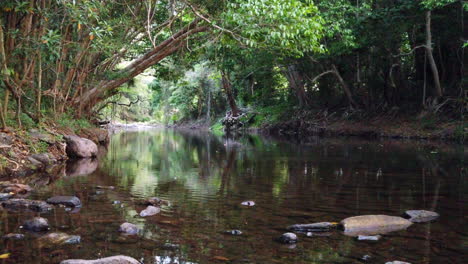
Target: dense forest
178	60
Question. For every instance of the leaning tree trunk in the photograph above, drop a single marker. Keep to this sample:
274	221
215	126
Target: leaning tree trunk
296	82
435	72
230	96
346	89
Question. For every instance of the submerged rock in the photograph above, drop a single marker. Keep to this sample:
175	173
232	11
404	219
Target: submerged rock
129	229
248	203
71	201
44	158
234	232
78	147
369	238
421	216
105	187
169	246
373	224
5	196
315	227
37	224
81	167
109	260
150	210
57	239
288	238
13	236
16	188
397	262
23	204
152	201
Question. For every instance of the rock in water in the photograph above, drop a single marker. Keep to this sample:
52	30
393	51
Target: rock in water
78	147
367	225
5	196
288	238
23	204
129	229
57	239
369	238
71	201
421	216
81	167
13	236
37	224
16	188
108	260
234	232
248	203
397	262
315	227
150	210
152	201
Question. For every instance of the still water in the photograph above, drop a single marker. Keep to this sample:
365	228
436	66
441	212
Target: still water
206	177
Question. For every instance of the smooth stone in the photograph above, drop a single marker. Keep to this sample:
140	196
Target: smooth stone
57	239
318	234
44	158
116	202
366	257
37	224
23	204
150	210
369	225
248	203
153	201
13	236
129	228
71	201
105	187
315	227
369	238
5	196
169	246
421	216
288	238
397	262
234	232
109	260
78	147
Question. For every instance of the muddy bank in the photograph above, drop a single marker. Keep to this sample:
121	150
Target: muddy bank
376	128
32	153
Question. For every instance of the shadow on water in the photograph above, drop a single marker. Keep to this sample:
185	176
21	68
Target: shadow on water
206	177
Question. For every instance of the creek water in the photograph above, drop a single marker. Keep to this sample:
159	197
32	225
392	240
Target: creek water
206	177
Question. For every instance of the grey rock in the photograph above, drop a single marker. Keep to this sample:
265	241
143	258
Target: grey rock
34	161
129	229
44	158
5	196
288	238
369	238
169	246
397	262
109	260
23	204
42	136
37	224
105	187
71	201
57	239
13	236
78	147
421	216
369	225
5	139
234	232
315	227
81	167
150	210
17	188
152	201
248	203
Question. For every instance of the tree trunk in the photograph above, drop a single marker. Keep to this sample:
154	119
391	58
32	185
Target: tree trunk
296	82
430	56
230	96
346	89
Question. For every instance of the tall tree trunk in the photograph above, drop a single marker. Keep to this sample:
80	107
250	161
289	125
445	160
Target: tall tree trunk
296	82
345	86
230	96
430	56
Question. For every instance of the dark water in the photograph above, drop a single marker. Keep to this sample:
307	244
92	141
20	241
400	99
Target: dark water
205	178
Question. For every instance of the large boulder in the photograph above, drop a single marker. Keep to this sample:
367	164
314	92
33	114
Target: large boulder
24	204
97	135
71	201
368	225
109	260
78	147
36	224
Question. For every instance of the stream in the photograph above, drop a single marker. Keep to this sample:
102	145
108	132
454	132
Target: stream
205	178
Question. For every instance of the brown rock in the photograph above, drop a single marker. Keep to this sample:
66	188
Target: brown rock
367	225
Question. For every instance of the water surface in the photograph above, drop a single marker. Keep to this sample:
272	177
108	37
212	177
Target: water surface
206	177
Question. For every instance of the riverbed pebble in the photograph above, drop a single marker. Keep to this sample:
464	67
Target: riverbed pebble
150	210
129	228
71	201
421	216
109	260
36	224
288	238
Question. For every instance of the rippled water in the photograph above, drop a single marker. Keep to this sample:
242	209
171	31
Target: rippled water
206	177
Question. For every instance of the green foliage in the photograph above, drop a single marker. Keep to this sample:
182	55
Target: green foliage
67	120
